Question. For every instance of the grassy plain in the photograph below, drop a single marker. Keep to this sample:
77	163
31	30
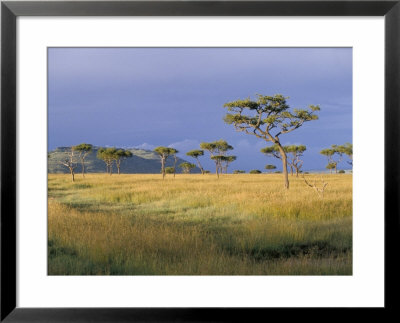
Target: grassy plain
198	225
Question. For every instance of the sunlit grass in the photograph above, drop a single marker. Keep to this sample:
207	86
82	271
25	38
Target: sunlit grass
198	225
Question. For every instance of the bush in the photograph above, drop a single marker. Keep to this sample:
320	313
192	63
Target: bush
278	172
239	171
341	171
169	170
206	172
255	171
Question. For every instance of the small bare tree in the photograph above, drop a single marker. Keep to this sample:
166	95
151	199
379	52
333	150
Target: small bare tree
320	190
83	150
69	162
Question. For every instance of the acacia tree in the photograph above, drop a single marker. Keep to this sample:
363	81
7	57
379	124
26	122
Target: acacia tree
174	152
270	167
331	166
120	155
186	167
225	161
107	155
347	149
217	150
295	152
70	162
267	118
164	153
334	155
196	153
83	150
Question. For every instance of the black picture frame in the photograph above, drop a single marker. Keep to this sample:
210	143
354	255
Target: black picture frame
10	10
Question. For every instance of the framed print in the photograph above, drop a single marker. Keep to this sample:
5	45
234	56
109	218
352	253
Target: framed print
179	160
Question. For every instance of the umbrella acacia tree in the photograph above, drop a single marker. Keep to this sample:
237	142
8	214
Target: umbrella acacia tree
226	160
120	155
293	153
196	153
217	150
347	149
164	153
107	155
83	150
187	167
267	118
270	167
334	156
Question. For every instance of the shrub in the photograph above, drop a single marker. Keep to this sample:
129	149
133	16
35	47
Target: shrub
169	170
255	171
341	171
239	171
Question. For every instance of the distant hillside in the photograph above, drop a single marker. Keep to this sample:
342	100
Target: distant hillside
142	162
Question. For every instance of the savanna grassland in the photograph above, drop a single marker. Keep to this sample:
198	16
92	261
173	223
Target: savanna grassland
198	225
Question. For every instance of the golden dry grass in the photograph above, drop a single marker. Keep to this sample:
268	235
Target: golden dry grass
198	225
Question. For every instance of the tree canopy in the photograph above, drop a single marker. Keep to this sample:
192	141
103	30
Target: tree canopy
196	153
217	150
268	117
186	167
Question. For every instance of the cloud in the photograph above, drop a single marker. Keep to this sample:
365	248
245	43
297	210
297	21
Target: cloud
185	145
146	146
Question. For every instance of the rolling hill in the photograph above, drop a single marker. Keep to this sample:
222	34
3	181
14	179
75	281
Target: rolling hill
142	162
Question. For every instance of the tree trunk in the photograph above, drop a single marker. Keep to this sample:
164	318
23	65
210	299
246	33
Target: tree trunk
83	168
72	174
162	168
175	160
297	172
217	169
335	169
201	168
291	170
284	166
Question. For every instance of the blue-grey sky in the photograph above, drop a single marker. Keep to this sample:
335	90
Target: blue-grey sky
148	97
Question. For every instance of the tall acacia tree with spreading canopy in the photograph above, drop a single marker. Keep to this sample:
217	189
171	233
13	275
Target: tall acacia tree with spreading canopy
217	150
267	118
164	153
120	155
196	153
83	150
